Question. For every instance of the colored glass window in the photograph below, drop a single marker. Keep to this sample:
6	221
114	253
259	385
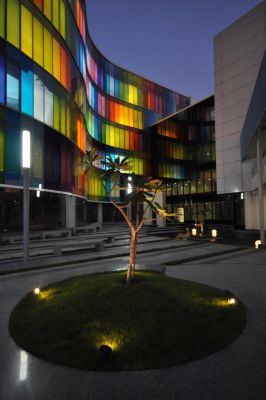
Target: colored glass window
39	3
37	41
48	54
2	80
37	154
56	113
48	107
47	9
12	86
63	69
13	22
38	98
2	18
26	31
27	92
56	13
56	59
62	18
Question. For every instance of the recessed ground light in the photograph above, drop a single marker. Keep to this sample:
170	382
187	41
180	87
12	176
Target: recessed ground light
36	291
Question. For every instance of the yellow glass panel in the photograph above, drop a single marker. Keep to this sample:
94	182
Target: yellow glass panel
135	95
117	137
107	133
56	13
2	18
13	22
62	18
56	113
56	59
48	54
47	9
37	41
112	136
130	94
26	31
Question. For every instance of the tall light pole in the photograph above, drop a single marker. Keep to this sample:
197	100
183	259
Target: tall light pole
26	192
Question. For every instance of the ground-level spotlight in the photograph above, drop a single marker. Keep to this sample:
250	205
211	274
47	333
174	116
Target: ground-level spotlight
36	291
105	351
257	243
194	232
214	233
232	301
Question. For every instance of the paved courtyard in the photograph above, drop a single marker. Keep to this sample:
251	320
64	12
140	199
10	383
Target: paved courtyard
235	373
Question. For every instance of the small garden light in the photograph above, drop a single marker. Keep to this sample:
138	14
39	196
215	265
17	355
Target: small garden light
194	232
36	291
214	233
257	243
232	301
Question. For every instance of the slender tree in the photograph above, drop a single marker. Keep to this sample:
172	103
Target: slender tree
139	195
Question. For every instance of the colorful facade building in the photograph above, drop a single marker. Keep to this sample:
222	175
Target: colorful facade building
55	83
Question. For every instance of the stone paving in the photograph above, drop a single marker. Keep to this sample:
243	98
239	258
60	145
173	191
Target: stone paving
235	373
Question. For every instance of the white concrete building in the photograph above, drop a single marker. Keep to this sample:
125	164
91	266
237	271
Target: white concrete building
239	68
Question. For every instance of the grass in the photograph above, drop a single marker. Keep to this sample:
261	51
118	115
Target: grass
156	322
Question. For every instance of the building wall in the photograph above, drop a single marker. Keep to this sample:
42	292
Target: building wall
238	53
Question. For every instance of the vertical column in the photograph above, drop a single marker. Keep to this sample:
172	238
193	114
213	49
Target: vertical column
100	213
251	217
160	199
26	214
148	215
70	211
260	190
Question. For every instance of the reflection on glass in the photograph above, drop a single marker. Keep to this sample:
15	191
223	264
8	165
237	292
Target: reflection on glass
23	366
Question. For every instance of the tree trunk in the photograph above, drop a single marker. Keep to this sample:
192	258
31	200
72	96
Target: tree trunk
132	257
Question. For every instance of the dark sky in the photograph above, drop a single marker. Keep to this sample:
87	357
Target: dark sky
167	41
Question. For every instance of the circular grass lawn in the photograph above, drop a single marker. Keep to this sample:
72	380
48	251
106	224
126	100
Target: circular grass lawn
156	322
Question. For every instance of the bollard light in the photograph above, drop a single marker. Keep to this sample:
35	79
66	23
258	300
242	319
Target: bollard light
194	232
214	233
257	243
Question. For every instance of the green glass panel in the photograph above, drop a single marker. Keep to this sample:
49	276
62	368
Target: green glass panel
56	113
13	25
2	18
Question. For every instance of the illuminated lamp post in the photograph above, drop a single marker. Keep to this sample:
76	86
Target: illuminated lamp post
26	151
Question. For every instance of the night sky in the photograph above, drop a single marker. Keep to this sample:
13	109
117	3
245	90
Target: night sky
167	41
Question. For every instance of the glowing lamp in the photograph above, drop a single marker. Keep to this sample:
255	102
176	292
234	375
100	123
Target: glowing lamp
26	149
232	301
36	291
214	233
257	243
194	232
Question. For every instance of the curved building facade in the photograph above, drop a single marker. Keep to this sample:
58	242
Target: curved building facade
55	83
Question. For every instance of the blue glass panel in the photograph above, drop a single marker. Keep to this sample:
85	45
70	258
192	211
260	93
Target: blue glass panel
92	97
2	80
117	88
27	92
